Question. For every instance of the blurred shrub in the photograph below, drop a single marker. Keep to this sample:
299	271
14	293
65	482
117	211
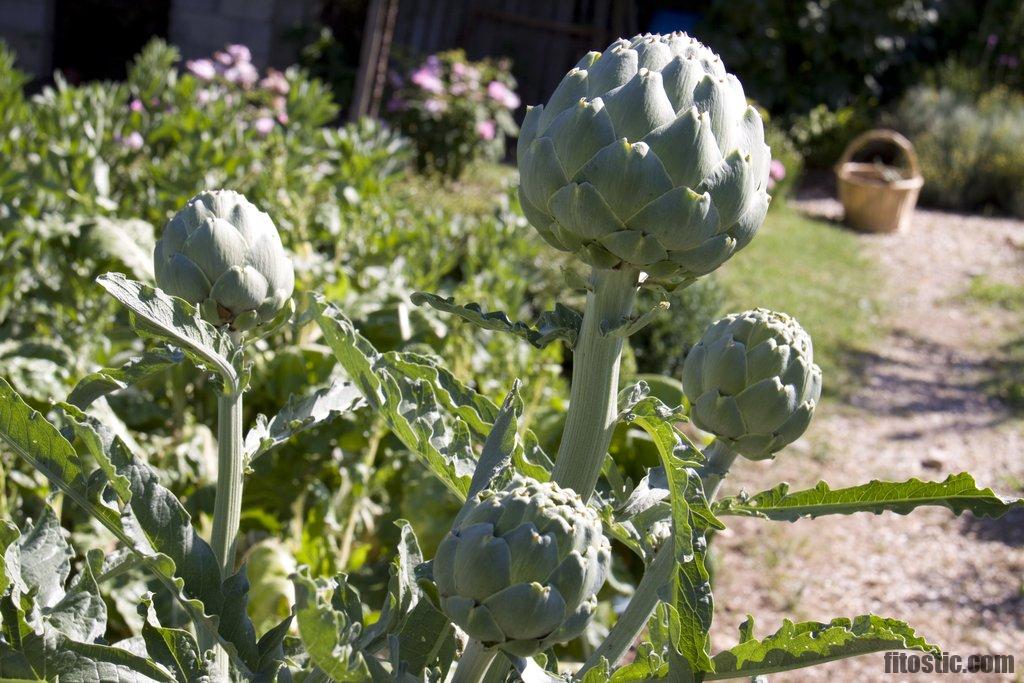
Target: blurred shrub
661	347
971	150
793	56
455	110
822	134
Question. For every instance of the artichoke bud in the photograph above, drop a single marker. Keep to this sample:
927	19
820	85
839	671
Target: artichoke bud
752	382
648	156
521	569
225	256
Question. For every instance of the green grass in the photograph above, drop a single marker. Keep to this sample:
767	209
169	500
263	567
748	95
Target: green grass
1001	294
476	193
816	272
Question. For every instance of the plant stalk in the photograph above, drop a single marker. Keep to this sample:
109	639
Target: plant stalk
658	574
227	506
473	665
590	420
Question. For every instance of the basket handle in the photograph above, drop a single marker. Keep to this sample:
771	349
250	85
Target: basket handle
882	135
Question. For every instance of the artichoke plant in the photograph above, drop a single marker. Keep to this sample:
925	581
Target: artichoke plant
646	155
521	568
752	382
223	254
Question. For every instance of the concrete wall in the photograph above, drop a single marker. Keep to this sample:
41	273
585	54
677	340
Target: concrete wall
199	27
27	27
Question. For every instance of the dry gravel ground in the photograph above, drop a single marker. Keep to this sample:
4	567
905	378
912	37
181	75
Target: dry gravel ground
919	412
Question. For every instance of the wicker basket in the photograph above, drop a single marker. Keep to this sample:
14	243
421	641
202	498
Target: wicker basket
874	201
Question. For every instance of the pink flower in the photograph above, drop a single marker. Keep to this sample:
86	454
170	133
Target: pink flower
458	69
282	118
224	58
777	171
203	69
264	125
204	96
134	141
279	103
276	82
486	130
136	105
500	93
240	53
242	73
992	40
426	79
435	106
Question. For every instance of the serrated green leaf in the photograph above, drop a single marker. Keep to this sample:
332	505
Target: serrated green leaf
411	407
8	535
561	323
632	324
795	646
81	614
300	414
692	603
958	492
501	443
426	639
170	319
108	380
328	633
151	524
175	649
403	592
43	559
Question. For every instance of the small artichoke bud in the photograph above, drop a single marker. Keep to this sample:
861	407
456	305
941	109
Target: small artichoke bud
225	256
752	382
647	155
521	569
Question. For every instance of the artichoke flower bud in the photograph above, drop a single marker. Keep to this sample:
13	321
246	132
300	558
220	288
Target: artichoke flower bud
225	256
521	569
646	155
752	382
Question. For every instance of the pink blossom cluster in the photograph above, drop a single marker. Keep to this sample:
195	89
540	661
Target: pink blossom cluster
776	172
233	65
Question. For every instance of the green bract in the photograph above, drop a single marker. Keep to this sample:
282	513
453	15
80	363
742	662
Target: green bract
752	382
223	254
520	571
646	155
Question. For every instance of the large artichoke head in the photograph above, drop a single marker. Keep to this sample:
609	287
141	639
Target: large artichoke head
224	255
521	569
752	382
646	155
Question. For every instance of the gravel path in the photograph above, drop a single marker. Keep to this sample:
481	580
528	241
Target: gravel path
920	412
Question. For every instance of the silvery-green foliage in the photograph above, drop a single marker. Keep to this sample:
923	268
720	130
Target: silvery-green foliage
646	155
223	254
752	381
521	568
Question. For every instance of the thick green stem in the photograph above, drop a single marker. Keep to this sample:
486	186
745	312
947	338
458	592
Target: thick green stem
719	459
632	621
227	508
473	664
227	505
595	382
